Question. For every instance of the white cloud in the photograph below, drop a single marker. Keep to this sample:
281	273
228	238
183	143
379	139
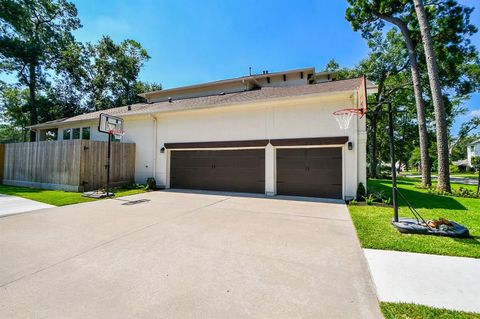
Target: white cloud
474	113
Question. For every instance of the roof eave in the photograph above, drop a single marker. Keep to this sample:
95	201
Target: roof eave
146	95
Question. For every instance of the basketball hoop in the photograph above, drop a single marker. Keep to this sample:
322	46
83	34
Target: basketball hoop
344	116
118	133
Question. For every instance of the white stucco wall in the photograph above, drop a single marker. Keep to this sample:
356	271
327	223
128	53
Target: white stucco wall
473	150
288	118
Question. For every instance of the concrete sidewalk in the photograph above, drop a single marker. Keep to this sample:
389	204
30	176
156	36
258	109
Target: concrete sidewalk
453	179
10	205
431	280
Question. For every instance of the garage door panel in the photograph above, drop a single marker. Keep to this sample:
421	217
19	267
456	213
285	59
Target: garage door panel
222	170
313	172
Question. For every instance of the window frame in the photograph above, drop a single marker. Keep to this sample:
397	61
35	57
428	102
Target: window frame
78	131
67	131
86	129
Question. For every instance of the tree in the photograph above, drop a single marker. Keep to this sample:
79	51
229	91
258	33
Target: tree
130	56
13	107
443	183
142	87
33	33
368	17
105	73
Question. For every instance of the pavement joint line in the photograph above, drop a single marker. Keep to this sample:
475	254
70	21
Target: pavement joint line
124	235
294	215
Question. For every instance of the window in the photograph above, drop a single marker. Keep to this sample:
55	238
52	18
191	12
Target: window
51	134
76	133
85	133
67	133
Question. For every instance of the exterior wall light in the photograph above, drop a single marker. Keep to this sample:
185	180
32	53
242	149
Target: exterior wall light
350	146
162	150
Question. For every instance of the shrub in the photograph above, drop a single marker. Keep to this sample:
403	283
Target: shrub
370	199
353	202
151	183
460	192
361	192
387	201
454	169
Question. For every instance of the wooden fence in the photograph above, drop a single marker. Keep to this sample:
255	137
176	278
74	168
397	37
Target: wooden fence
2	156
75	165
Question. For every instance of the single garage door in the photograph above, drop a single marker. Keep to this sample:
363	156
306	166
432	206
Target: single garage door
315	172
228	170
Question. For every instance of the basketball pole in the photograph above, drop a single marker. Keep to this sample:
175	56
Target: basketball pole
108	162
391	138
392	159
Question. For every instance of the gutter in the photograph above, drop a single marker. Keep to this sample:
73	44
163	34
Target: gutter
154	118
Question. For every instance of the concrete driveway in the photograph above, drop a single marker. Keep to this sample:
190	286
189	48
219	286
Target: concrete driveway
185	255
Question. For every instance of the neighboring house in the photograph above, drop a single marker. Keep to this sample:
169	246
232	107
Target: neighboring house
473	150
271	133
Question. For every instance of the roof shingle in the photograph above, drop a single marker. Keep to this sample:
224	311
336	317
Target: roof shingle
264	93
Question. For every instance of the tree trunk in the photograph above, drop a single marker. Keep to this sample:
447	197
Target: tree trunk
420	104
440	115
33	105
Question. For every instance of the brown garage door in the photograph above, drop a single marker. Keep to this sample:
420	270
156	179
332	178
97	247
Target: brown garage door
315	172
228	170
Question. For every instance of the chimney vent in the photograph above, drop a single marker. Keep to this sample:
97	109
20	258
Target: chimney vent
169	100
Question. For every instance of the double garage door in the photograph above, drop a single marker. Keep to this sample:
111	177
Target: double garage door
315	172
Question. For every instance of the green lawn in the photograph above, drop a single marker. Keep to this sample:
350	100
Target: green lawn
375	230
411	311
57	198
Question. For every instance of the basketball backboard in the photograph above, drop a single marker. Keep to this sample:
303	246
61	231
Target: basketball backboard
362	94
110	124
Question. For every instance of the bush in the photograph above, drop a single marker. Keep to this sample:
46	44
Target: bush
454	169
151	183
370	199
460	192
361	192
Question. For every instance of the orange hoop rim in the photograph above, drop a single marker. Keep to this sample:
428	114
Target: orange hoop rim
116	132
358	112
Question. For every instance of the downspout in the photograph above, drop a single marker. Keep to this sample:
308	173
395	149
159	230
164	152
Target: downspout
154	118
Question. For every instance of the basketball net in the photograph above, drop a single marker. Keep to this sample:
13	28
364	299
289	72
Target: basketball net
118	133
344	117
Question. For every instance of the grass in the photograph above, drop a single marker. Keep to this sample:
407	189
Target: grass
375	230
57	198
412	311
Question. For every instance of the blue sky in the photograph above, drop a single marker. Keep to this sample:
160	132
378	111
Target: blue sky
197	41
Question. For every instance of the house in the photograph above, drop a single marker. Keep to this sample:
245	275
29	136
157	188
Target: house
269	133
473	150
